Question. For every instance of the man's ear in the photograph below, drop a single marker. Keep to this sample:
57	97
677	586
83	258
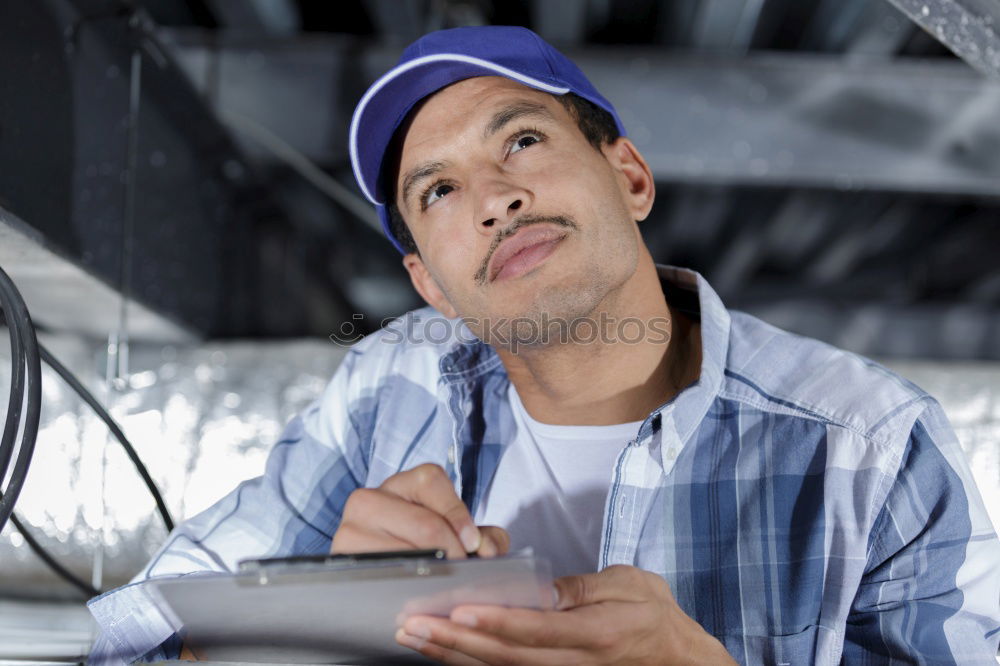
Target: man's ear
634	174
427	286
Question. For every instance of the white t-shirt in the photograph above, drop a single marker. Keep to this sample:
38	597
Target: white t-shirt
550	488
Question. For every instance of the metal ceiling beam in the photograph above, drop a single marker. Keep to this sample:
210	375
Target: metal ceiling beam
275	17
63	296
970	28
118	163
789	120
796	120
934	330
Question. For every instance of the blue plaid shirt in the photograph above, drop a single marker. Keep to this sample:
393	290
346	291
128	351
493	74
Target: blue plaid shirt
806	505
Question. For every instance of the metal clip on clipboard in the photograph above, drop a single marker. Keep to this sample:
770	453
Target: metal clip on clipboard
352	565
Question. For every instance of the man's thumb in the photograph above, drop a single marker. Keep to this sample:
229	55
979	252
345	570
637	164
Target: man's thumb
616	583
573	591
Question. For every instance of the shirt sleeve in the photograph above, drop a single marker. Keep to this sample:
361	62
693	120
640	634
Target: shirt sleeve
294	508
931	588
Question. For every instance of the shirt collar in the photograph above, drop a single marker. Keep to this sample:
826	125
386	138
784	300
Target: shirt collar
687	409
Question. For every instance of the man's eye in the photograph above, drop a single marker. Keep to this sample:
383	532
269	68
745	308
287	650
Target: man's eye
436	192
525	140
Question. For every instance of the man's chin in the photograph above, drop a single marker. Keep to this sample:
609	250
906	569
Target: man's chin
526	331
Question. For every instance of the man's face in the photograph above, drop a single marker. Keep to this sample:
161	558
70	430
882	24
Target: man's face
515	213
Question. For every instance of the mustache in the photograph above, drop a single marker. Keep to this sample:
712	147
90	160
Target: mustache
513	228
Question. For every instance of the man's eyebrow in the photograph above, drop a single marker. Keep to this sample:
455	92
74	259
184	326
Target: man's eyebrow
512	112
418	173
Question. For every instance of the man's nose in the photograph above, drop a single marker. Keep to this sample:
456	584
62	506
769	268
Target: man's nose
501	202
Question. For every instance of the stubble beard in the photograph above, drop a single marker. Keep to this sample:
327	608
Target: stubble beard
559	312
555	313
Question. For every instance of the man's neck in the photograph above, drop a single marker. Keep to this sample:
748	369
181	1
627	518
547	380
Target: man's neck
611	380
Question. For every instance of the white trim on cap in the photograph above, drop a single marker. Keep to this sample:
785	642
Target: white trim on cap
417	62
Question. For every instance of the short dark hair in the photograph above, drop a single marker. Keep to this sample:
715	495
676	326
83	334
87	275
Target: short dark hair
597	125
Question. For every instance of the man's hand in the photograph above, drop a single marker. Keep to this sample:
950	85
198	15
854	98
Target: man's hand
622	615
417	508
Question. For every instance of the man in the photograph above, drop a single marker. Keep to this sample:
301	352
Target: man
712	490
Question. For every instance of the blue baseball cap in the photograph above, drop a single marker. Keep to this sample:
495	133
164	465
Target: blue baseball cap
439	59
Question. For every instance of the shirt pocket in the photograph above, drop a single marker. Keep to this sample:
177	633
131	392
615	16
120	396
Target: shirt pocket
809	647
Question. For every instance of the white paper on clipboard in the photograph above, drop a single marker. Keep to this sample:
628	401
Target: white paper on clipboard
321	615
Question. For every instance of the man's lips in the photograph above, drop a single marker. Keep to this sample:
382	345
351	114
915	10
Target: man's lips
523	251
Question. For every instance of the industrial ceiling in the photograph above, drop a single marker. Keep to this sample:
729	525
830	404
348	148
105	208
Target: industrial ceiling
830	165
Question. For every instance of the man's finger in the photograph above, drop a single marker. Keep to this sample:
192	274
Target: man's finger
436	652
415	525
443	639
495	541
353	539
531	628
429	486
615	583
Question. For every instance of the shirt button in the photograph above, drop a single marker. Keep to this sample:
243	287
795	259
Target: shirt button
451	456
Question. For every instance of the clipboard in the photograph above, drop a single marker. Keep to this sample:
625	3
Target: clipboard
344	610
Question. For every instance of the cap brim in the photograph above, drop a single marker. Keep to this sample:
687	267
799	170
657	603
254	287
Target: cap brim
391	97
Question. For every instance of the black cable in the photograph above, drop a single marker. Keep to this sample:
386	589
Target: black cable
59	569
19	325
115	430
14	409
16	401
26	353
